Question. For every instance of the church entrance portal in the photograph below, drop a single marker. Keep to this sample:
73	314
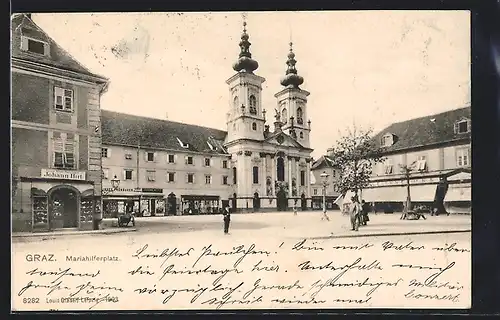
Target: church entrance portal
256	202
303	202
281	200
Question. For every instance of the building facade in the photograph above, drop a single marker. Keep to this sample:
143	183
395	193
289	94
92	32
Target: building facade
56	142
320	166
164	167
436	150
270	168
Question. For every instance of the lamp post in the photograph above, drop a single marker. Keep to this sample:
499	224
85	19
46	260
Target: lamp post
324	179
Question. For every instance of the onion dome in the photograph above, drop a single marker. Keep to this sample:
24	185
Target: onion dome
245	62
291	79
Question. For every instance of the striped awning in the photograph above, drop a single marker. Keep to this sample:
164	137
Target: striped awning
423	193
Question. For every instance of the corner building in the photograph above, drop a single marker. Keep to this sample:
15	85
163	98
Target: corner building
270	169
56	142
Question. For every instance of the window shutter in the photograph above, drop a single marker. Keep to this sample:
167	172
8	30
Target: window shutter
124	174
186	159
194	181
132	174
108	153
155	155
145	156
468	125
175	158
456	127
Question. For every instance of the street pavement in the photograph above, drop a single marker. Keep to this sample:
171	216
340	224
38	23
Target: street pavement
286	225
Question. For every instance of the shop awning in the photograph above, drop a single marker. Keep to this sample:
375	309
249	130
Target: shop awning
458	193
38	192
384	194
88	193
424	192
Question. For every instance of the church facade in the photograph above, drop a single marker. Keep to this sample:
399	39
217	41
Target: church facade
270	168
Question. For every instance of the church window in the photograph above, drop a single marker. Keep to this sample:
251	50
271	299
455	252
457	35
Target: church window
236	102
302	178
280	168
253	104
254	126
300	118
301	135
234	175
255	175
284	116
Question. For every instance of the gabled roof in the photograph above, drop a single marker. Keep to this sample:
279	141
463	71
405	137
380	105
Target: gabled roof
125	129
21	24
428	130
322	162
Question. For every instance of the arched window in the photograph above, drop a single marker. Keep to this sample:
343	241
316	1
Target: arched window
301	135
254	126
253	104
300	117
284	116
280	168
236	102
255	174
234	175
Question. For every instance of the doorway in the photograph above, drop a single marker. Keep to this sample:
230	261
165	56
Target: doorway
171	204
303	202
234	202
64	208
256	202
281	201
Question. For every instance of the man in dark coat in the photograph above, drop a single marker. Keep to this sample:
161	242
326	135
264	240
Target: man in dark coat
365	209
227	219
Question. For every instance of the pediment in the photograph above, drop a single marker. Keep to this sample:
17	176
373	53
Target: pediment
282	139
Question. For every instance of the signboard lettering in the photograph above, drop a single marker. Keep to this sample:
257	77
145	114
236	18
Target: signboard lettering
62	174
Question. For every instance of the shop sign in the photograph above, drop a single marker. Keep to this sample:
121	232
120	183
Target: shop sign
62	174
152	190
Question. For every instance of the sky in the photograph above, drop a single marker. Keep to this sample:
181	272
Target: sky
363	68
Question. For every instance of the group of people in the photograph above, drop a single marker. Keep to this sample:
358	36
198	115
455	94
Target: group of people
358	213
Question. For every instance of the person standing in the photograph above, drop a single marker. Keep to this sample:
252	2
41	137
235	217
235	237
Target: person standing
227	219
294	210
366	208
355	213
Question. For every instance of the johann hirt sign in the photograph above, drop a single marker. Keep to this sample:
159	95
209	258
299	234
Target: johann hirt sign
62	174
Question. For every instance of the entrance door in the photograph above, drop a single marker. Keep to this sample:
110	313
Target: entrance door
172	204
303	202
64	208
256	202
234	202
281	201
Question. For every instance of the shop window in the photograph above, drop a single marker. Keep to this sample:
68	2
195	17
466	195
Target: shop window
171	158
302	178
224	180
127	173
207	162
224	164
40	212
190	178
255	174
86	209
63	151
150	175
189	160
171	177
208	179
63	99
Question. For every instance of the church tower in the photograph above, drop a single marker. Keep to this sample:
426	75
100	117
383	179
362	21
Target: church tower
246	117
292	103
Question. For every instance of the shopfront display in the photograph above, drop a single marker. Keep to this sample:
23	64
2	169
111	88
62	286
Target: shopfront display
115	207
200	204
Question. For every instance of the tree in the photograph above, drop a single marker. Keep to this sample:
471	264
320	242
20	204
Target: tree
354	155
